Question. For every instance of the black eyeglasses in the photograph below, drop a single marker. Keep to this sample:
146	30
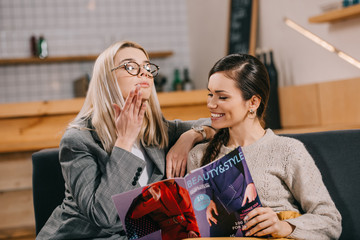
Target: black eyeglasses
133	68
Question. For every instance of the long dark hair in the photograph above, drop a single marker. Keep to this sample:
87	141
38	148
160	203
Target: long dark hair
252	79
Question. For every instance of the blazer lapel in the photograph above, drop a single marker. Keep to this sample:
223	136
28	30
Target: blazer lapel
158	157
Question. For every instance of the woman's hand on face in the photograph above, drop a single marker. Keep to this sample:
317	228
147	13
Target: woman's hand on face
264	221
209	213
128	121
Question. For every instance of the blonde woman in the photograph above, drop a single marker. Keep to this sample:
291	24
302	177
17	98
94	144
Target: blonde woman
117	142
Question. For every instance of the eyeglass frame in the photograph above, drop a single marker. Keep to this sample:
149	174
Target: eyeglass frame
124	64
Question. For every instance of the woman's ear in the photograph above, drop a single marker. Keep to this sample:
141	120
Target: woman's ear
254	102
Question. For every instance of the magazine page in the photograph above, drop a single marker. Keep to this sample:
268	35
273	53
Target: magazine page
222	193
160	210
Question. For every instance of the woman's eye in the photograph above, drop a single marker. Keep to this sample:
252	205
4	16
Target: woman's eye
210	94
223	98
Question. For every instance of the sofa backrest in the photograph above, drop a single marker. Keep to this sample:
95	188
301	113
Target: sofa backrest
48	185
337	155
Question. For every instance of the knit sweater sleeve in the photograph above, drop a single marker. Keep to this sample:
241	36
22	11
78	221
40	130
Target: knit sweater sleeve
195	156
320	218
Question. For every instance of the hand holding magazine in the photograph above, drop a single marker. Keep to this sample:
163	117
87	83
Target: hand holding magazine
211	201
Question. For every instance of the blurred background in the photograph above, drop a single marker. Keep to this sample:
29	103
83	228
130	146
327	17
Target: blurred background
196	31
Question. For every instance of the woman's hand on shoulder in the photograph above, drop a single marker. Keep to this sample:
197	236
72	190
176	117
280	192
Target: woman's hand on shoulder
128	121
176	158
264	221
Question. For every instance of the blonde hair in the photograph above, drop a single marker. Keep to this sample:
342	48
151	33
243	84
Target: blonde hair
104	91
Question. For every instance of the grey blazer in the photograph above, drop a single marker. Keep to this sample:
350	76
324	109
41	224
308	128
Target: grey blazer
92	176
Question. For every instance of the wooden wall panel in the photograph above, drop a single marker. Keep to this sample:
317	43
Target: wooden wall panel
16	209
340	102
15	171
39	125
24	233
190	113
183	98
42	108
299	106
22	134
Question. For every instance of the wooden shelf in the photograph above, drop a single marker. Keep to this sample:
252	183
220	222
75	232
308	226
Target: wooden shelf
60	59
337	15
31	126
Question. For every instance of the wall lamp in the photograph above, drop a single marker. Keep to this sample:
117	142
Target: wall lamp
322	42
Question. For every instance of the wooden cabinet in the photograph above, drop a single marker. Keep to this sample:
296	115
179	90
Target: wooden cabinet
36	125
320	106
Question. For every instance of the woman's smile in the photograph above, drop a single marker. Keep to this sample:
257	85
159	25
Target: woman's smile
216	116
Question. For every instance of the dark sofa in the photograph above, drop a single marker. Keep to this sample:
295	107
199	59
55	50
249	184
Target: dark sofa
336	153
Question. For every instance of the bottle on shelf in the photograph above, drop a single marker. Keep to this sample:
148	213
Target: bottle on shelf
347	3
177	84
160	81
258	54
272	69
272	117
33	46
187	84
42	48
264	60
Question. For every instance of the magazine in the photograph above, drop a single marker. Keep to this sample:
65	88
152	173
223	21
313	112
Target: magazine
211	201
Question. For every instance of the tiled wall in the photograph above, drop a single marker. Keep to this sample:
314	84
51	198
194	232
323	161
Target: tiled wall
81	27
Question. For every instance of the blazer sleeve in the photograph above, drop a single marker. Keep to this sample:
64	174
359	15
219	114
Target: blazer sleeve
321	219
178	127
92	176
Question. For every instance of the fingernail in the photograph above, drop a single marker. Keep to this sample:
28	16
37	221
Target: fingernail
247	233
246	218
244	227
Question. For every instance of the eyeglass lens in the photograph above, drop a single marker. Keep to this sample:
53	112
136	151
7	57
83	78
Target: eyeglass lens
134	69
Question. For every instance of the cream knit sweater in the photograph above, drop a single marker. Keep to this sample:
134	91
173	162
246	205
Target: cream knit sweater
286	178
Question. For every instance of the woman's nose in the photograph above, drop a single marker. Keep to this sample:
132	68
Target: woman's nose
144	72
211	104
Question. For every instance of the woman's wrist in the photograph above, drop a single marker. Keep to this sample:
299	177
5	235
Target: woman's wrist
200	130
286	229
206	132
196	136
122	143
210	132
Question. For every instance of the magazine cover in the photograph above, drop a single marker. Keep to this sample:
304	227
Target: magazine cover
209	202
222	194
